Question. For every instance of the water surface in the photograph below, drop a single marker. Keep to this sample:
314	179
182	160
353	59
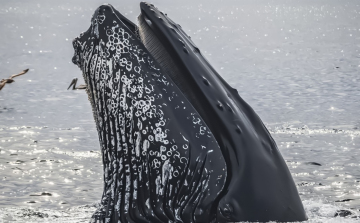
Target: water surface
296	63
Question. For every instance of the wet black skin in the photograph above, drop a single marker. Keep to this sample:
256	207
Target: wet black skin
256	183
259	186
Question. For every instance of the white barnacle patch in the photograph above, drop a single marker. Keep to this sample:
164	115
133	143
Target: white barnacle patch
166	172
196	120
156	163
202	130
151	138
147	203
137	143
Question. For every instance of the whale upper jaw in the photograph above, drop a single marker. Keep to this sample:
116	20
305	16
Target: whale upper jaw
259	186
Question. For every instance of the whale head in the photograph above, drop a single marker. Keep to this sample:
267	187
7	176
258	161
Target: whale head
178	141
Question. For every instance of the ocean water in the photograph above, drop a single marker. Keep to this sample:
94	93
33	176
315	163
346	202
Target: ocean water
297	63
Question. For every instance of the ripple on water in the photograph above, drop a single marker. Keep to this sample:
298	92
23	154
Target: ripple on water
290	60
323	162
318	211
54	167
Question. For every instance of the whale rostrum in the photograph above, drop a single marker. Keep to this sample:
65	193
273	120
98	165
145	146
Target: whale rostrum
178	143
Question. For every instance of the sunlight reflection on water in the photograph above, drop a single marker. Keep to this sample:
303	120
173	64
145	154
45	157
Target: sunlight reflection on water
296	63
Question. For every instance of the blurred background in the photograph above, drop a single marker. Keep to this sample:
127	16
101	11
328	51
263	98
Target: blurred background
297	63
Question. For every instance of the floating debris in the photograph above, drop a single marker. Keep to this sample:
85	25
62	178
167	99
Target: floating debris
343	213
345	200
42	194
313	163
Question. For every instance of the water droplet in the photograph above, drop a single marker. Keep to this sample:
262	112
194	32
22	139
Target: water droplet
229	108
182	42
238	129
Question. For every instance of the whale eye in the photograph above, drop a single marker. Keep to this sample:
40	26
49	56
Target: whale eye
227	211
185	50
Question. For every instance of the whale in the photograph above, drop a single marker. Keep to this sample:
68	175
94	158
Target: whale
178	143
